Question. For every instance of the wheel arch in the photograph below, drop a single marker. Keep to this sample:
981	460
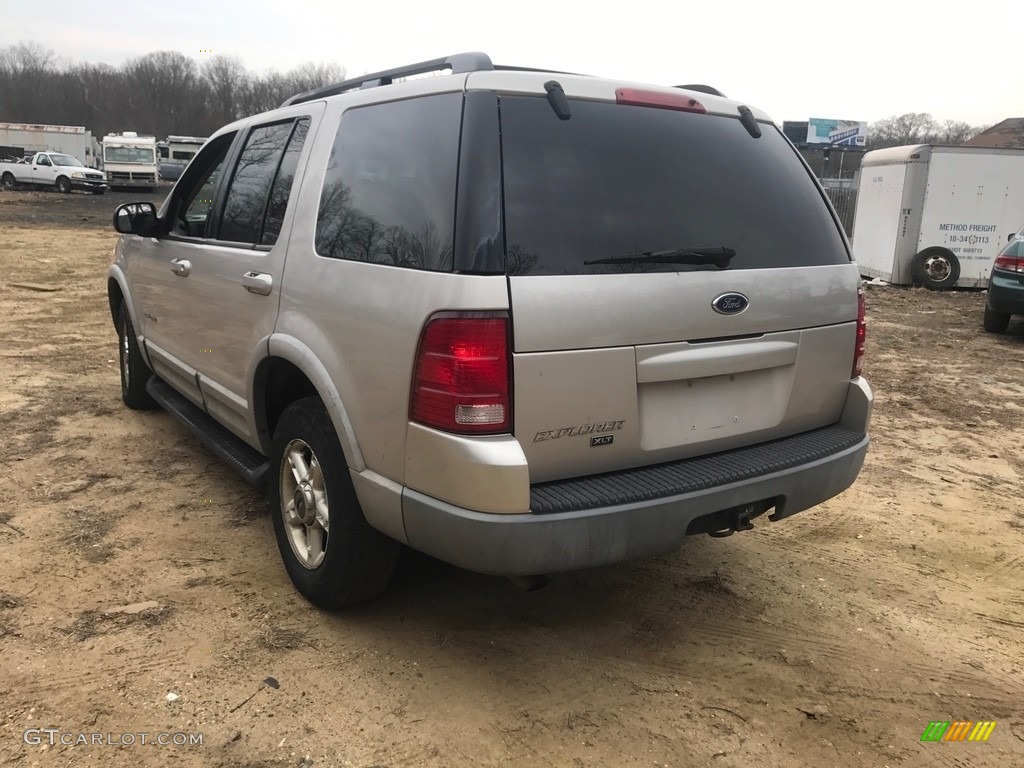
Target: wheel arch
115	297
289	372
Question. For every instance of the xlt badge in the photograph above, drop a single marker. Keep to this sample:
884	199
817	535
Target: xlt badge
601	440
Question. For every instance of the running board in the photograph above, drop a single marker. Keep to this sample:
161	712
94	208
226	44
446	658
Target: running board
242	458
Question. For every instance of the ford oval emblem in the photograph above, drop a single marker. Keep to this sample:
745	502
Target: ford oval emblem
730	303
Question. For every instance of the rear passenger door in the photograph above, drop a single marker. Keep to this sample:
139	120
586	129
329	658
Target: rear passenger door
235	294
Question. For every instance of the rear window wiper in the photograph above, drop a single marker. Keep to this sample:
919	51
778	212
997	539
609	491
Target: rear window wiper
716	257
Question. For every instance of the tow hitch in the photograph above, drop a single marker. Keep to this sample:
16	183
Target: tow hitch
739	520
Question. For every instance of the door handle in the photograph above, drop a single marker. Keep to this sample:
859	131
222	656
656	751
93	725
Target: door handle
181	267
258	282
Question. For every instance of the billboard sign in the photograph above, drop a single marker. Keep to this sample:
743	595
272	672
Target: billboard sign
846	133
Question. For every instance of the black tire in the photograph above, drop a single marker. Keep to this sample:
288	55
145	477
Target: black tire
936	269
9	182
134	371
346	562
996	322
63	185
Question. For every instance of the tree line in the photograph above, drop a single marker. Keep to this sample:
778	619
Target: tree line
168	93
161	93
919	128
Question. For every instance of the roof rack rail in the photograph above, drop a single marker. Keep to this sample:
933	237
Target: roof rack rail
457	63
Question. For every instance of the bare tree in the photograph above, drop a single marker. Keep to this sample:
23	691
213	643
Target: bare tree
161	93
918	128
956	132
909	128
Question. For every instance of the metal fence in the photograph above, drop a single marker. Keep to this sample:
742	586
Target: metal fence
845	203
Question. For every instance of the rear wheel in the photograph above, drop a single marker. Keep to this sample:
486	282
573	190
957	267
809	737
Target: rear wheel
134	371
63	185
8	181
996	322
936	269
332	555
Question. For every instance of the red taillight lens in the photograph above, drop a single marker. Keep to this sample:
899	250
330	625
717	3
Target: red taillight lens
862	335
637	97
461	379
1010	263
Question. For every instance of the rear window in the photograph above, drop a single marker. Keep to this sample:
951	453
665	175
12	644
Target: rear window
617	181
1014	249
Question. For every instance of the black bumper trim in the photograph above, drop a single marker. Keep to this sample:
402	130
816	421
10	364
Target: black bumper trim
690	475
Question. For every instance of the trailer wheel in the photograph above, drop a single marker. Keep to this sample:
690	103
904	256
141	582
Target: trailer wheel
937	269
63	185
8	181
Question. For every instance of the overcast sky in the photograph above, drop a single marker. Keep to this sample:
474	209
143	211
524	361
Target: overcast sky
859	61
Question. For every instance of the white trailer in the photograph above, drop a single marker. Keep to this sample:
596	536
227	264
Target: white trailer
935	215
129	160
72	140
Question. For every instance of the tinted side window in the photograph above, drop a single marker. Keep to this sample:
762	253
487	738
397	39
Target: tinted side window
621	181
389	191
246	198
193	196
283	184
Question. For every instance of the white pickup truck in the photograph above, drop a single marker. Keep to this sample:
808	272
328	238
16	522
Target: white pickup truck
52	169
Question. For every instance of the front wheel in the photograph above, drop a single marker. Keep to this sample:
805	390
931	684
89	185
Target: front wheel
134	371
63	185
996	322
8	181
332	555
936	269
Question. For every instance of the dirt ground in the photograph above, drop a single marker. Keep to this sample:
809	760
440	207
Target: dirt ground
829	639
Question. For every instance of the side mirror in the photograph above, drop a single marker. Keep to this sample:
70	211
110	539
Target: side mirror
136	219
1010	236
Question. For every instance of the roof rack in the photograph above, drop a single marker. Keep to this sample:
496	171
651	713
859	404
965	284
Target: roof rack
457	63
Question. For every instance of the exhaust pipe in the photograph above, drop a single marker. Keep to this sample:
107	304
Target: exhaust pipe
530	583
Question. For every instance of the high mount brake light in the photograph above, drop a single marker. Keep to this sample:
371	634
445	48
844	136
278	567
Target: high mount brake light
638	97
461	381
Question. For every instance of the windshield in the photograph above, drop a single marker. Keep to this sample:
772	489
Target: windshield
66	160
619	188
129	154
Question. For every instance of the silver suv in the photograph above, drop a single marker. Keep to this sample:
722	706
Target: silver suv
522	321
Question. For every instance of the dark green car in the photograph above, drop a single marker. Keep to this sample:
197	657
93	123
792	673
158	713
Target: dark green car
1005	287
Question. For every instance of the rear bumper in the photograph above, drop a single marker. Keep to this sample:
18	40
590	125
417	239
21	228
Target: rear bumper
650	521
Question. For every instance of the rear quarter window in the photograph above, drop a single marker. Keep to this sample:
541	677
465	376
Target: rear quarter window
389	191
618	180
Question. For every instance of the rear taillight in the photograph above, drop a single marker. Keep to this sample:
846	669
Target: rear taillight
461	379
638	97
862	335
1010	263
